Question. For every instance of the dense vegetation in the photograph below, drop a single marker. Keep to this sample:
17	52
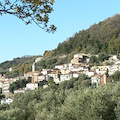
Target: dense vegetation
75	99
99	59
101	37
21	83
19	66
15	61
1	95
50	61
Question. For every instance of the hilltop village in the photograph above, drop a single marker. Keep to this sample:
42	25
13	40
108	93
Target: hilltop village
78	65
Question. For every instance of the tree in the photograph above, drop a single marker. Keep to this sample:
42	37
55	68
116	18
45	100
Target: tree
27	68
51	81
93	59
36	11
17	84
50	61
21	69
15	73
116	76
48	53
1	95
102	57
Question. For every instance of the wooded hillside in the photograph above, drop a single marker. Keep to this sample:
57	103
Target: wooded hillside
101	37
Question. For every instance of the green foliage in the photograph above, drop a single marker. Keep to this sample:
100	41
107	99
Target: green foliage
93	59
17	84
28	67
116	76
114	45
102	57
97	60
41	65
15	73
19	66
51	81
36	11
48	53
76	82
15	62
101	37
4	107
1	95
70	100
50	62
41	83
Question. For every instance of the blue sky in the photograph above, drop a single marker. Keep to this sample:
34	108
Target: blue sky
70	16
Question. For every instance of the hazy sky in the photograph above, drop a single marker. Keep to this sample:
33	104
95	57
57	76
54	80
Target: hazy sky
70	16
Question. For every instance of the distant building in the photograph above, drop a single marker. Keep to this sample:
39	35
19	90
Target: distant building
38	59
78	67
100	69
31	86
114	57
45	86
75	74
46	71
64	77
1	84
2	78
6	100
19	91
65	71
114	68
11	69
32	76
41	78
80	58
100	79
95	79
5	87
89	73
55	74
63	66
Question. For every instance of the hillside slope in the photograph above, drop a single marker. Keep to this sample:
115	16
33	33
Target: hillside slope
15	62
20	64
101	37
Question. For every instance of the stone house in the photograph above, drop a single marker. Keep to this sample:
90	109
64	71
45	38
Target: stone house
19	91
80	58
64	77
63	66
114	68
32	76
31	86
55	75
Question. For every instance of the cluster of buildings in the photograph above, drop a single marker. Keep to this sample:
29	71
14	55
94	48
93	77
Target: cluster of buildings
78	65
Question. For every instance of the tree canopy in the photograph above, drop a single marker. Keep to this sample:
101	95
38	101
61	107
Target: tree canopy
36	11
69	100
17	84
